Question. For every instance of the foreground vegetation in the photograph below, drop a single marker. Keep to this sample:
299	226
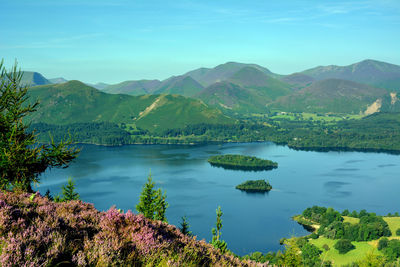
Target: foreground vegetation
40	232
240	162
255	186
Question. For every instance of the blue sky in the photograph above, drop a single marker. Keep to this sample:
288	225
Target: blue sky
117	40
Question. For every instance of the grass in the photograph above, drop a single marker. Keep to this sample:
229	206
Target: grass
351	220
361	250
394	224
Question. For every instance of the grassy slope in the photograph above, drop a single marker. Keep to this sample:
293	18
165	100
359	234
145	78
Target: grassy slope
361	250
182	85
74	102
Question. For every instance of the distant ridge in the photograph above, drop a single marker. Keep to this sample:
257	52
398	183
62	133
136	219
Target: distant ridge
372	72
33	78
58	80
208	76
332	95
140	87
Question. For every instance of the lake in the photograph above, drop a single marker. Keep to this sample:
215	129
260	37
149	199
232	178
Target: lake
107	176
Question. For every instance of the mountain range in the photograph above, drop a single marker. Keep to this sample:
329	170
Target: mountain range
76	102
237	88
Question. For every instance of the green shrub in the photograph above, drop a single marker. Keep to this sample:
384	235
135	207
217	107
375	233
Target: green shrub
344	246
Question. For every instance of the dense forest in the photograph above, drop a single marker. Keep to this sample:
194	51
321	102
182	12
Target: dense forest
377	132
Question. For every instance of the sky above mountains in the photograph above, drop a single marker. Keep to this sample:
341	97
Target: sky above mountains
116	40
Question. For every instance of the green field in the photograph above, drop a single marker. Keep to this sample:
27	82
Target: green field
315	116
361	250
351	220
394	224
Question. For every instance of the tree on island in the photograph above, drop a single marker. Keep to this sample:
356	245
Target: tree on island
152	203
22	159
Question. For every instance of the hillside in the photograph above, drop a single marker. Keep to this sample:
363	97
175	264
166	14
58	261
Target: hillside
39	232
333	95
208	76
231	97
75	102
181	85
372	72
260	83
33	78
140	87
297	80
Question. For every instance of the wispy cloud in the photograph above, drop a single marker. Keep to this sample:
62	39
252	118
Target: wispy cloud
59	42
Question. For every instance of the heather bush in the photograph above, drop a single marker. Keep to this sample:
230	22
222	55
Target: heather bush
37	232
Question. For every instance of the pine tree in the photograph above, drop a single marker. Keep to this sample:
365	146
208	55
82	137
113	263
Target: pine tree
22	159
216	232
68	191
185	227
152	203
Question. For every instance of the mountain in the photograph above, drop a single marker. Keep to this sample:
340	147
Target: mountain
58	80
76	102
232	97
246	91
260	83
182	85
33	78
297	80
208	76
371	72
140	87
99	86
336	96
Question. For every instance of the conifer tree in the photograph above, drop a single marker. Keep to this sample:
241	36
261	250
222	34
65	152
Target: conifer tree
152	203
22	159
185	226
216	232
68	191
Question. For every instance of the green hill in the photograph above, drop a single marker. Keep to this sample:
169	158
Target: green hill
333	95
232	97
372	72
246	91
208	76
33	78
297	80
182	85
260	84
140	87
75	102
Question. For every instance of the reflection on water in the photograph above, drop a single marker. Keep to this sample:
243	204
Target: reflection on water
108	176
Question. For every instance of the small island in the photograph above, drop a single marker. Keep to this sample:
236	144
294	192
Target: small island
255	186
240	162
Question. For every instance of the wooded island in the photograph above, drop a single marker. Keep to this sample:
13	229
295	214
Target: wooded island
255	186
240	162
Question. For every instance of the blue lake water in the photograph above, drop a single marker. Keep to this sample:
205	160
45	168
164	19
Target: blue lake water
107	176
